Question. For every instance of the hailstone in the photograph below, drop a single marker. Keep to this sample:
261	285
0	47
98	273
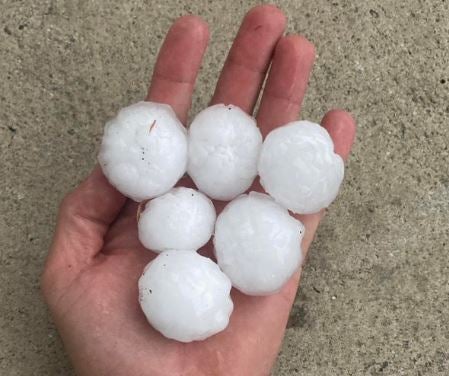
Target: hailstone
185	296
224	146
257	244
144	150
298	167
182	218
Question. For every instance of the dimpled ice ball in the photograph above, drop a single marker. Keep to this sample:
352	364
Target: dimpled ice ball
298	167
185	296
182	218
257	244
224	146
144	150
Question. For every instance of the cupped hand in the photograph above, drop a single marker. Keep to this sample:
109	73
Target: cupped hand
91	273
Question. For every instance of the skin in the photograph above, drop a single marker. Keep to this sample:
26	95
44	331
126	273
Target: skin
90	277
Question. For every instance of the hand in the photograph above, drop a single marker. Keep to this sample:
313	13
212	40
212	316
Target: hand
90	278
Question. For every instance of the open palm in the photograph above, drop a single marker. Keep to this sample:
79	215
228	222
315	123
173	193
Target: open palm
90	278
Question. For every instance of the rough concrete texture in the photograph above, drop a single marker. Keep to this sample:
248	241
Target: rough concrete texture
374	297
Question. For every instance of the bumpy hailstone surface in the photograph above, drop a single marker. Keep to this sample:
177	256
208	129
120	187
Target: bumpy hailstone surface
298	167
182	218
185	296
144	150
257	244
224	146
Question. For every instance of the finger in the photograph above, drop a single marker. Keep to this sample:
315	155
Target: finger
264	319
178	63
341	127
87	212
172	83
84	217
286	83
242	74
248	60
281	102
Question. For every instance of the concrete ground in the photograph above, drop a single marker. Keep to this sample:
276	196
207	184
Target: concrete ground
374	298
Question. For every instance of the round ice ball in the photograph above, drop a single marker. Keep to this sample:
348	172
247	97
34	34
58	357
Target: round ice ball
182	218
257	244
144	150
224	146
298	167
185	296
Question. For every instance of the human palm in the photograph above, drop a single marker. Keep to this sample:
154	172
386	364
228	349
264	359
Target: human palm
90	278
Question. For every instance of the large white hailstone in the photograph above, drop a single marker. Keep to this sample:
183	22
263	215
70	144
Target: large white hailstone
257	244
224	146
185	296
144	150
182	218
298	167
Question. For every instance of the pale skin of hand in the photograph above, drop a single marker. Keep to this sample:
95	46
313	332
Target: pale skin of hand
90	277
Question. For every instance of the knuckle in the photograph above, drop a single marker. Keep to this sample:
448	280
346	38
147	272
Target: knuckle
69	203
